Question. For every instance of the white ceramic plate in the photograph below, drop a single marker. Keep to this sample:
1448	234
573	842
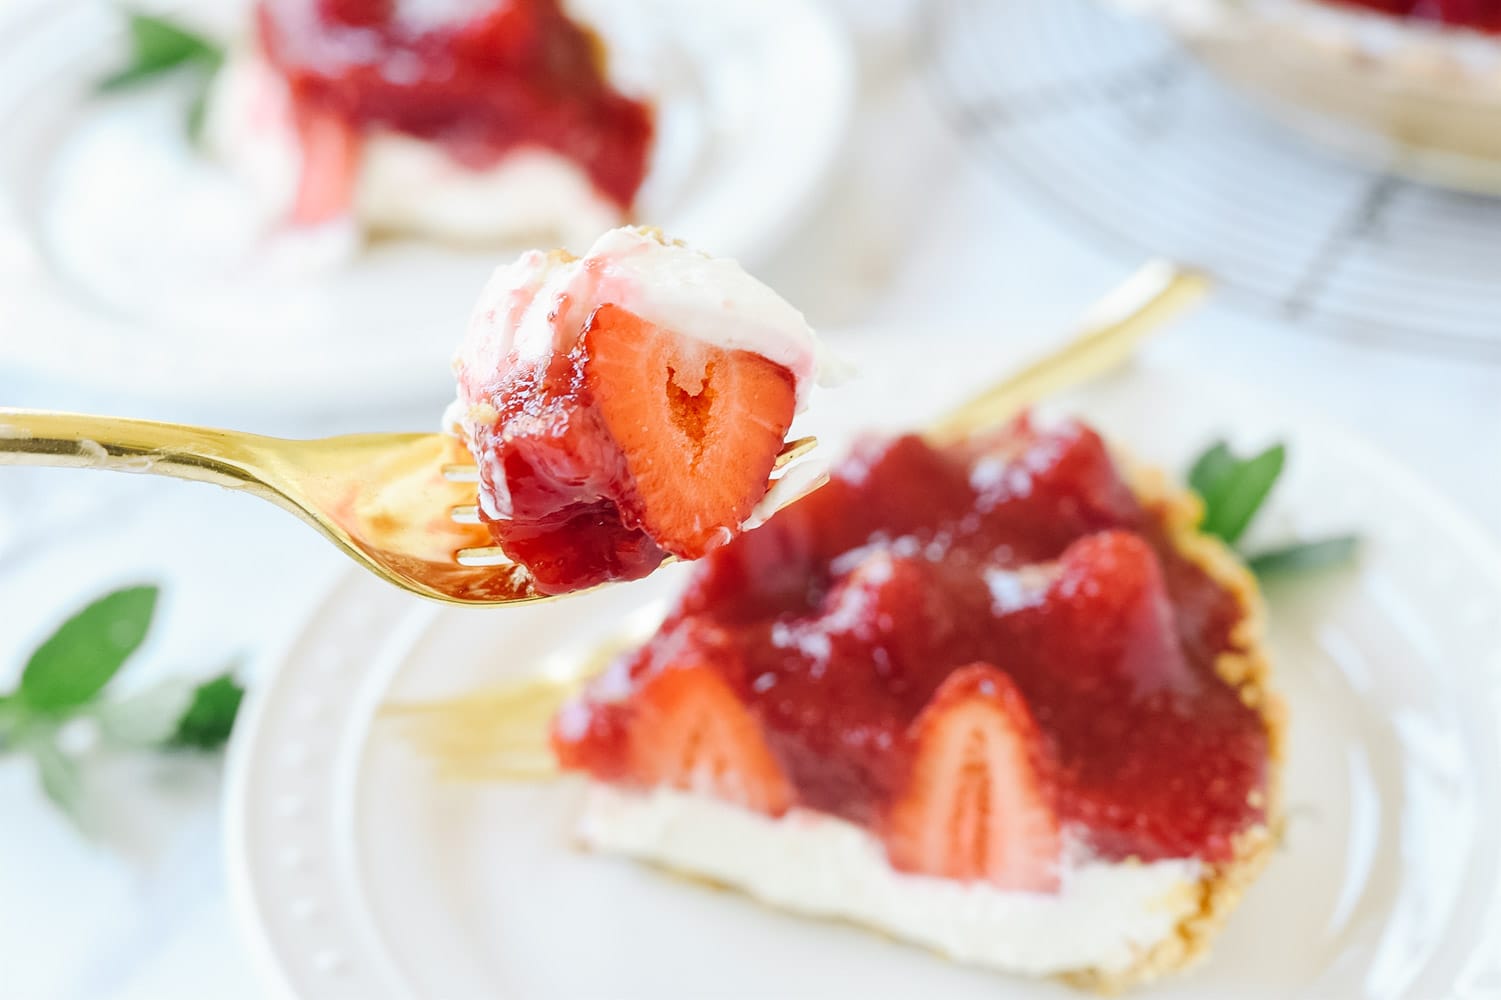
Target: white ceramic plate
123	254
360	875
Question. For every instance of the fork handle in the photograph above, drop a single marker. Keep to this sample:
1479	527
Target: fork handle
118	444
1137	309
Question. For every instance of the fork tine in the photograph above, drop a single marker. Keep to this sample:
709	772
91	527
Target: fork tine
489	555
461	473
1110	334
494	555
794	450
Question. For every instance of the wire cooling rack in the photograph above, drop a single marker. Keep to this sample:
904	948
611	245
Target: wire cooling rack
1119	127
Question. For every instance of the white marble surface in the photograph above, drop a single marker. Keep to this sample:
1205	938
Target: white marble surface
916	241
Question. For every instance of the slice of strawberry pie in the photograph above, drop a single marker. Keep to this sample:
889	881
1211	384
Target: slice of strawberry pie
627	405
998	699
461	120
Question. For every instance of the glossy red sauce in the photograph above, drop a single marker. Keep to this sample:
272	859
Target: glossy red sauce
837	620
556	467
1481	15
520	74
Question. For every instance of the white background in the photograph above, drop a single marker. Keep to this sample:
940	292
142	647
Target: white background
916	236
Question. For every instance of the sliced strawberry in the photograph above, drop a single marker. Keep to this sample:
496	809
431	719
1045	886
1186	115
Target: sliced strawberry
699	427
1112	624
980	802
890	611
330	160
690	731
593	737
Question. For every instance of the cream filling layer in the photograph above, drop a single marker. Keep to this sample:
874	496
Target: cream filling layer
403	185
1106	915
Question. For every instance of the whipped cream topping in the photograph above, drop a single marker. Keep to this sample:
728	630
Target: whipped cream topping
406	185
538	307
1104	917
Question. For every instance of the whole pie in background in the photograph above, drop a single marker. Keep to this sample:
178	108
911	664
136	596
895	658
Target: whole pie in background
1411	87
1481	15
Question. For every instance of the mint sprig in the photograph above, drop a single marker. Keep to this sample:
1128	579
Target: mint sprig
65	682
210	715
1302	557
158	47
1235	489
61	778
75	663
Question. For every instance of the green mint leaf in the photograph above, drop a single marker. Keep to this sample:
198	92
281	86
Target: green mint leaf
61	780
158	46
197	111
210	717
147	718
159	41
1241	492
11	716
73	666
1305	556
1211	469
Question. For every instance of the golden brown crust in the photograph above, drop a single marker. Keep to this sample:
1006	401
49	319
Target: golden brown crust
1248	669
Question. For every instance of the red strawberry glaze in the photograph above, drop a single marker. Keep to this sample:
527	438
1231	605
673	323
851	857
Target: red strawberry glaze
555	473
519	74
1480	15
838	620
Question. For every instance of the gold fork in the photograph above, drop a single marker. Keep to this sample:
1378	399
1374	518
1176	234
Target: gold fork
501	733
402	505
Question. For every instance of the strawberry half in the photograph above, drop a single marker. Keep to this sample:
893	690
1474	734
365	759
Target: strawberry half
690	731
1049	485
1112	623
330	160
698	427
980	802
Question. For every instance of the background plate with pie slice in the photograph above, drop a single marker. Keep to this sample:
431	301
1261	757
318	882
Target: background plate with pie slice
360	874
138	263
